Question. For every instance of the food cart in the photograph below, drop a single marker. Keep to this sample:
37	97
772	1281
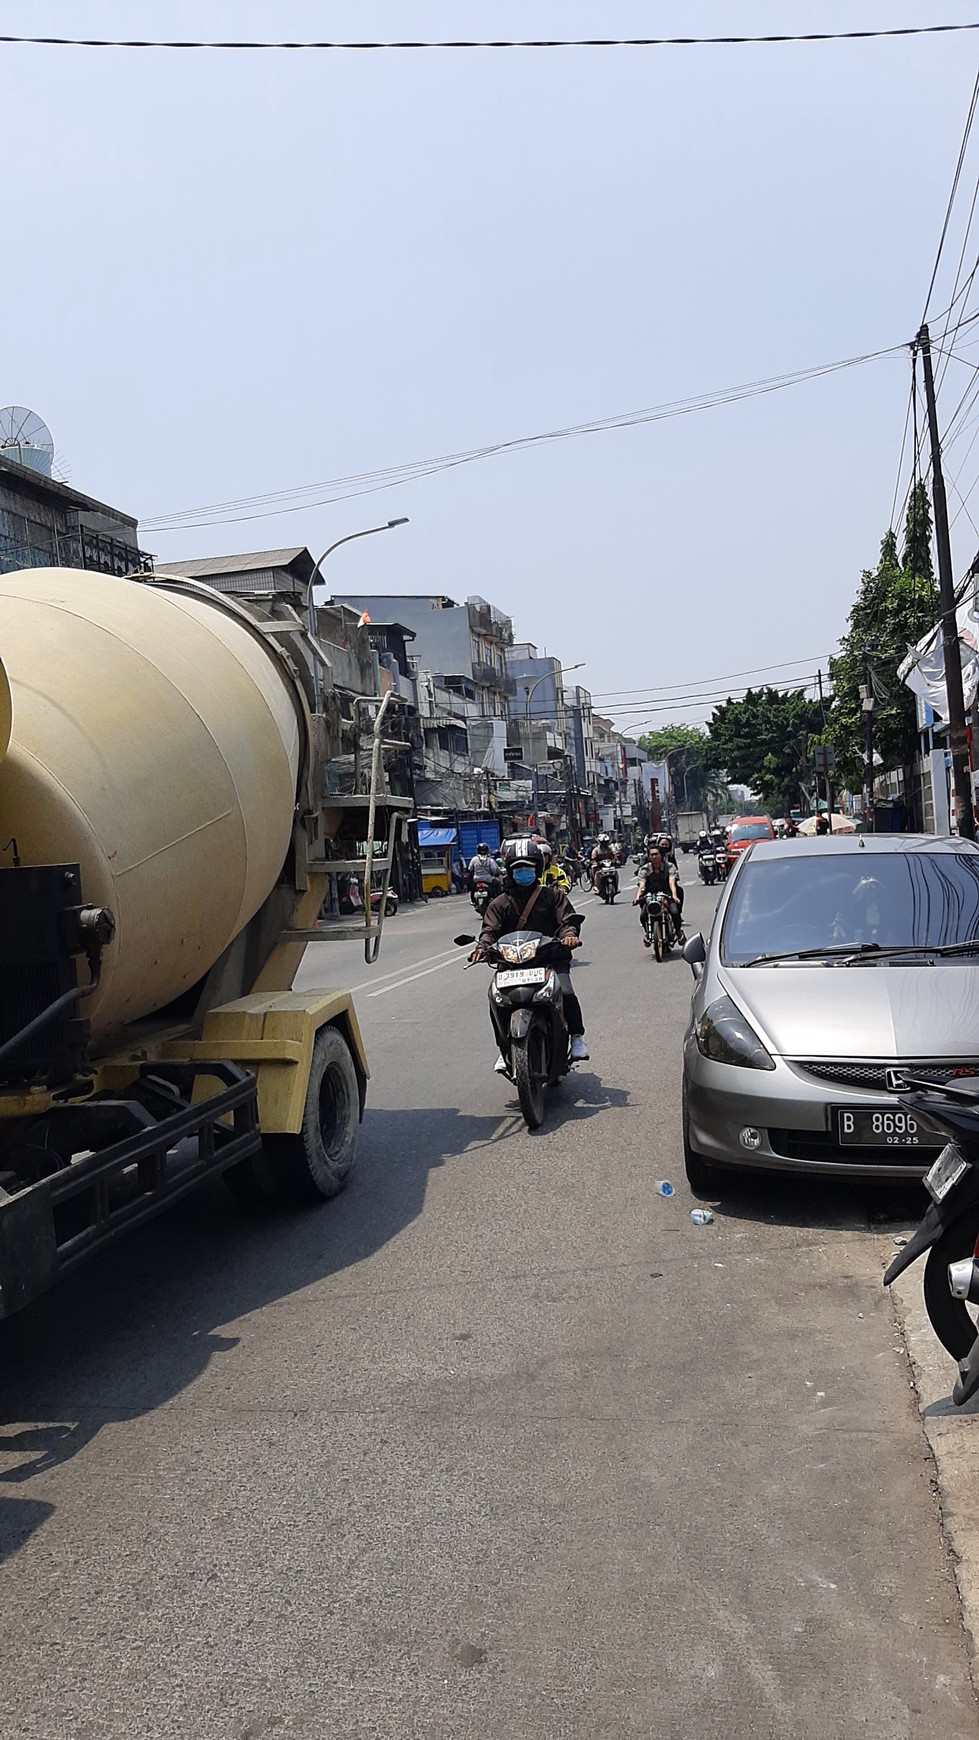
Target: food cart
435	849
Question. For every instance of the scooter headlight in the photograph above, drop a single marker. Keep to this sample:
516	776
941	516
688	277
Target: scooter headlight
726	1036
518	953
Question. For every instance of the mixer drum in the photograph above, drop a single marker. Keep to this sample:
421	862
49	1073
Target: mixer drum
154	740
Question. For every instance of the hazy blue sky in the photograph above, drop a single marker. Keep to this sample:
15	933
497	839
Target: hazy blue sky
228	274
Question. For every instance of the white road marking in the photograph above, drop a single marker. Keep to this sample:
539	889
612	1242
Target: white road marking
379	978
399	982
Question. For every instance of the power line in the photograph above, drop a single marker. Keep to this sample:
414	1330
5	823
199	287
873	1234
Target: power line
389	477
539	43
951	198
756	670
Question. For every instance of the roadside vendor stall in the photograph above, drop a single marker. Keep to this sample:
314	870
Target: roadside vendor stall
436	847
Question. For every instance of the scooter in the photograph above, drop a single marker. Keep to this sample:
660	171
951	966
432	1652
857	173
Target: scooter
527	1011
707	867
949	1231
350	897
607	882
481	895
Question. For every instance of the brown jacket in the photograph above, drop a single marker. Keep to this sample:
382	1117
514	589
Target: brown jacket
550	914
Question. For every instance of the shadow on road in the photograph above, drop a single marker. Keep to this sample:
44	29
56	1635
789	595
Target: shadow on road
816	1202
124	1336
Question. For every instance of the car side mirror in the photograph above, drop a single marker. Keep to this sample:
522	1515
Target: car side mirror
695	954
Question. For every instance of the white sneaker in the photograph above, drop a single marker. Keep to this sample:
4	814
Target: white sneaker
500	1066
579	1050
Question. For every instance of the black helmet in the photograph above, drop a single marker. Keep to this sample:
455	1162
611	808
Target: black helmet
482	847
523	851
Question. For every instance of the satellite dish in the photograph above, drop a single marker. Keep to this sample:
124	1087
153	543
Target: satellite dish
26	439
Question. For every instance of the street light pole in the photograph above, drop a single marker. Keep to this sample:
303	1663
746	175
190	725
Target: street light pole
368	532
528	692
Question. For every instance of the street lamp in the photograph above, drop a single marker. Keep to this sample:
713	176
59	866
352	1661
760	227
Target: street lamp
527	694
368	532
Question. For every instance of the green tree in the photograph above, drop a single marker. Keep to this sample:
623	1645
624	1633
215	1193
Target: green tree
762	741
690	764
897	602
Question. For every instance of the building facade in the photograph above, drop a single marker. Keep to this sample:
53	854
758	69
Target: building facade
46	524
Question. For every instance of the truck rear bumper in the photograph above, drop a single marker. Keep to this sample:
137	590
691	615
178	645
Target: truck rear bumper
48	1227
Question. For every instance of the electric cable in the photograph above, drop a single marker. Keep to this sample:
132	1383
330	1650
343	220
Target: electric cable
539	43
389	477
951	198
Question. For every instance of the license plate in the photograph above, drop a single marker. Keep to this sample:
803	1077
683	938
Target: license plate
523	976
945	1173
879	1127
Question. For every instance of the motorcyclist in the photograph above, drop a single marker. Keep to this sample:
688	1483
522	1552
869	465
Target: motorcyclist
659	878
673	869
602	854
526	904
704	842
485	868
554	875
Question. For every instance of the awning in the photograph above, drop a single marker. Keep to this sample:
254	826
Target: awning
436	836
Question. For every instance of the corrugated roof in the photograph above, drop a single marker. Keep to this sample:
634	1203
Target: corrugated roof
199	566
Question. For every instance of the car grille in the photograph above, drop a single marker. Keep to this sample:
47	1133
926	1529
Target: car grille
872	1073
822	1145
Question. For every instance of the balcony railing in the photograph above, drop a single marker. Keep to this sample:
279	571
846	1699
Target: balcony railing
489	677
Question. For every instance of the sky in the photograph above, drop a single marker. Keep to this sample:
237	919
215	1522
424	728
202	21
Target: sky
233	274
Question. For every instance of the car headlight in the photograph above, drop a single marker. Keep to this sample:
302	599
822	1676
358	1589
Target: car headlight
725	1036
518	953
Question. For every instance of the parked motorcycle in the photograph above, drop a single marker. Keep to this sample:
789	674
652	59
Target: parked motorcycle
527	1011
949	1231
607	882
657	921
350	897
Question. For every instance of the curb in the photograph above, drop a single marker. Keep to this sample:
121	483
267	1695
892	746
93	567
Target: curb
952	1435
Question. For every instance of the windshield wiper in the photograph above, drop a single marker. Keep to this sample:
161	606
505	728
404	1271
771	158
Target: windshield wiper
830	951
866	953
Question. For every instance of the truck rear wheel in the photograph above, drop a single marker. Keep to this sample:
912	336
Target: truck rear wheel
317	1162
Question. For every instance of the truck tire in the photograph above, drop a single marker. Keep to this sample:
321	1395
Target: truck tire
316	1163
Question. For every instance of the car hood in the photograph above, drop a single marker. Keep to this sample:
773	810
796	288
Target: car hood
881	1011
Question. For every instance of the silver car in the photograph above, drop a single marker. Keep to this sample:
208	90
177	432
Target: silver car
834	968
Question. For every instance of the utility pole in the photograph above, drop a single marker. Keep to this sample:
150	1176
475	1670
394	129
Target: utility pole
867	700
826	773
961	776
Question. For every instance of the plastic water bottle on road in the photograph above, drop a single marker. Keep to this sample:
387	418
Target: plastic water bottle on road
701	1216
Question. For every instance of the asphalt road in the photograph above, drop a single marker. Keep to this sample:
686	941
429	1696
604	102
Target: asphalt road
498	1445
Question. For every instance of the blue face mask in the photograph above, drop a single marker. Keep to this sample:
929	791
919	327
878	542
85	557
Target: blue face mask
524	875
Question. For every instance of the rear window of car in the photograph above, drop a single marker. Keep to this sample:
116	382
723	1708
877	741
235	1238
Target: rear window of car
811	901
752	831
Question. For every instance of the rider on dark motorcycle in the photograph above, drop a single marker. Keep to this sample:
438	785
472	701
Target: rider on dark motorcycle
526	904
658	878
484	868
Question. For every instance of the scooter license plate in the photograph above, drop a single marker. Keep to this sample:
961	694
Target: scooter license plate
945	1174
522	976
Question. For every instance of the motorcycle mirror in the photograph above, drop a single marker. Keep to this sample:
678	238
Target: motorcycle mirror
463	941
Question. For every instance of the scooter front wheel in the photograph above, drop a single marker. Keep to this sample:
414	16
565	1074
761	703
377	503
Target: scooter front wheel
951	1318
528	1061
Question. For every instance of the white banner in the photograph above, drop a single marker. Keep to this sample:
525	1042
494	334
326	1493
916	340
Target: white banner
924	668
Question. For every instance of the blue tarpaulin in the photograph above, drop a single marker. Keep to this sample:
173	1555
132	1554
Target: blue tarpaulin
436	836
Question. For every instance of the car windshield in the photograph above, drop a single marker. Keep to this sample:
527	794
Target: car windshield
752	831
864	900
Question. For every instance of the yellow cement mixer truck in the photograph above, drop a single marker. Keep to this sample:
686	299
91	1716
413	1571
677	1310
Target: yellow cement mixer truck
166	841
